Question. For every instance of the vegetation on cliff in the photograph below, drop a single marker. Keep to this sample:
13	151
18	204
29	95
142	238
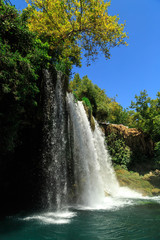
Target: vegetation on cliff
26	48
46	33
146	117
120	152
103	107
147	184
131	146
22	57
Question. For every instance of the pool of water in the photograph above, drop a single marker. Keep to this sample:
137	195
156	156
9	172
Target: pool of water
130	219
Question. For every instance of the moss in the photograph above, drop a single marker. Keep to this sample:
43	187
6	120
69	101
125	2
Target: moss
143	184
156	191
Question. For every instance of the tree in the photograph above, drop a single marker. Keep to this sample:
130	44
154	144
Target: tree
22	57
97	97
72	25
147	114
74	85
142	103
117	114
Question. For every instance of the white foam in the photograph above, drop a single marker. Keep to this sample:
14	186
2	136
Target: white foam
125	192
53	217
61	214
108	203
153	199
157	198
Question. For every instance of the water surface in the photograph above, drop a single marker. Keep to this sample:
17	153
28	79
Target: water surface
135	219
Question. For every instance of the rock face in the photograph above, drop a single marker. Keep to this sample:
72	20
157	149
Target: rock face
136	140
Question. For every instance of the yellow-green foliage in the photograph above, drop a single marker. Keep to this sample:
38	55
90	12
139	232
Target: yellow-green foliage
133	180
76	24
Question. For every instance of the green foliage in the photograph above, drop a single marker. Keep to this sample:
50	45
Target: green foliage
84	88
62	65
22	57
103	107
117	114
146	114
87	102
121	154
75	84
75	97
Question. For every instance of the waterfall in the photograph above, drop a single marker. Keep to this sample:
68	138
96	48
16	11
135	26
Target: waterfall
93	172
94	176
55	141
77	165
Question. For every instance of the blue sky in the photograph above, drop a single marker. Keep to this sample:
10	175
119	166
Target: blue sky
136	67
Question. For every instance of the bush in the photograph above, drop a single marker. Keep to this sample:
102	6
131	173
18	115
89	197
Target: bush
87	103
121	154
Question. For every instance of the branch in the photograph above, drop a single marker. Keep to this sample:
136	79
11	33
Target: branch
50	18
71	33
81	14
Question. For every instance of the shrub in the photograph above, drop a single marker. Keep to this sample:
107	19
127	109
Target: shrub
121	154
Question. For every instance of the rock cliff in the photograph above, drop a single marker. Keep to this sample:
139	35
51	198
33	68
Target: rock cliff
136	140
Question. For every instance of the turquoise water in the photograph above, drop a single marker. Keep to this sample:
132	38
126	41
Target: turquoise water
134	220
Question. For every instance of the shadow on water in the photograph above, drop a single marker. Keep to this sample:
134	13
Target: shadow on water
11	224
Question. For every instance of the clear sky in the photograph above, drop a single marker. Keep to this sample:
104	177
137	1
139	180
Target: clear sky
136	67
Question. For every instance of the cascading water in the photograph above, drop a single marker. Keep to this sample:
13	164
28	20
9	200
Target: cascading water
93	172
77	165
90	159
55	149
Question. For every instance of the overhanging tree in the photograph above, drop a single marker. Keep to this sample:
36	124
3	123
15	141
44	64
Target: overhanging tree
72	25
